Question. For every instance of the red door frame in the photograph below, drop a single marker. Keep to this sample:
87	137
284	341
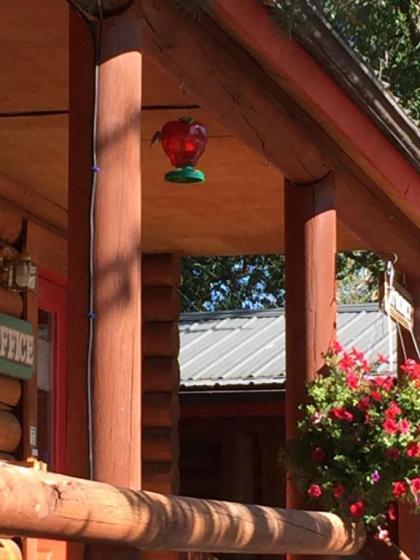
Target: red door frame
52	297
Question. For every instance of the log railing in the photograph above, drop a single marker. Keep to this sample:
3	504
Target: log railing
39	504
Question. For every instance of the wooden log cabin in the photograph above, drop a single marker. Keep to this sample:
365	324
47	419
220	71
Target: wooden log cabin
307	155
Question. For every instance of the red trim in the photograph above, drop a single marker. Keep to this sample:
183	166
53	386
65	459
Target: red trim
233	409
52	295
307	80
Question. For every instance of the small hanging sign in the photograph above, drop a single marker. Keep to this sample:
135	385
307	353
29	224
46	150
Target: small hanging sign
16	347
397	303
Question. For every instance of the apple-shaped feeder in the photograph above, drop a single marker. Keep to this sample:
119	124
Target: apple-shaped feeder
184	141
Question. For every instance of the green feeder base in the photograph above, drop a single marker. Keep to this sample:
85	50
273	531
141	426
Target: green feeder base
185	174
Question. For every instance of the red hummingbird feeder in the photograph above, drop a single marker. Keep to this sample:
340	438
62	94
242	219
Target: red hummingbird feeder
184	141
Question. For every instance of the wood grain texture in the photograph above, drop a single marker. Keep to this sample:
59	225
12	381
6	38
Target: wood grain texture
161	270
52	505
10	432
161	303
160	410
244	100
160	374
10	390
310	288
160	339
10	224
116	252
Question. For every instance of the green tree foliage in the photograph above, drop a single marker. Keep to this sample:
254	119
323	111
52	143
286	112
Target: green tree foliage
257	281
386	34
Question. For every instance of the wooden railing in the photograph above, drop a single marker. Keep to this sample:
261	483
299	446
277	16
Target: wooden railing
40	504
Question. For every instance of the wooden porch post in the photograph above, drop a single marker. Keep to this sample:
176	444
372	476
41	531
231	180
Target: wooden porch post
115	233
310	248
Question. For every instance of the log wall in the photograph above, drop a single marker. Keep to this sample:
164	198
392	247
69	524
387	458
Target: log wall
11	303
160	341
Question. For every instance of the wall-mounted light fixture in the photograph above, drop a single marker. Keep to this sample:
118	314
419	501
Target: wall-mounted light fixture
17	272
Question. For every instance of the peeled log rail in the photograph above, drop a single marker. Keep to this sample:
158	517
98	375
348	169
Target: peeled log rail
47	505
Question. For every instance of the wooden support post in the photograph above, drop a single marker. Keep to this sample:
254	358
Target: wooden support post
116	348
51	505
310	235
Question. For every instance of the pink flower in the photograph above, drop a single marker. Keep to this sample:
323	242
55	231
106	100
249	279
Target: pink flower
404	426
390	426
352	380
382	534
357	355
314	491
365	366
381	359
357	509
393	410
413	449
338	491
415	485
340	413
318	455
412	369
336	347
399	488
392	453
317	417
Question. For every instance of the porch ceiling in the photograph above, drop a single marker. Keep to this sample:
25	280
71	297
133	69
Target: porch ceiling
238	210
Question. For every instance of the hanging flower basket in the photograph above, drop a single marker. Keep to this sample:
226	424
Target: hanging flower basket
357	450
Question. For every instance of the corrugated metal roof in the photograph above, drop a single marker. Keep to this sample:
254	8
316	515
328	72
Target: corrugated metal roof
238	349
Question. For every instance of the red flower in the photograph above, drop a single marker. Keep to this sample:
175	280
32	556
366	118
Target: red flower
399	488
338	491
415	485
357	509
363	404
376	396
365	366
336	347
413	449
392	453
381	359
393	410
386	382
404	426
340	413
390	426
314	491
352	380
318	455
392	511
347	361
412	369
357	355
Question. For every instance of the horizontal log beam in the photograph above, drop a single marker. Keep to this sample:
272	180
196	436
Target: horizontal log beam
160	410
159	445
161	303
160	374
10	432
161	270
160	340
10	390
47	505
